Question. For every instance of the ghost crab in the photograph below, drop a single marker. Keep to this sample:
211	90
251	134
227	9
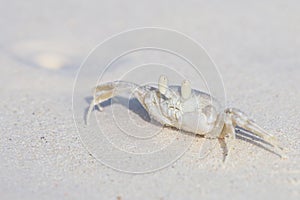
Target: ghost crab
186	109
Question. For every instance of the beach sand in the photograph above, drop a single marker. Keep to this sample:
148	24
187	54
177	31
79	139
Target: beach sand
254	44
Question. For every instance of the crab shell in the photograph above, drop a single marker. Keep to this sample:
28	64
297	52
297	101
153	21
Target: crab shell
196	112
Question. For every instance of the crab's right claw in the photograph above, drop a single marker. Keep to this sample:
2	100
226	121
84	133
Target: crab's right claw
107	91
91	107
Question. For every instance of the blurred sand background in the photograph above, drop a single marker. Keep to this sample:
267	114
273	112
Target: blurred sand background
42	43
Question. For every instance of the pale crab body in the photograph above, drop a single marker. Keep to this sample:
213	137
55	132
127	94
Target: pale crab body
183	108
197	114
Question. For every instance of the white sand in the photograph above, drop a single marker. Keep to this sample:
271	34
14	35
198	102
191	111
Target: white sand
255	45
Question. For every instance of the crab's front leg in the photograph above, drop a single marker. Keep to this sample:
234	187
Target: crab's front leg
107	91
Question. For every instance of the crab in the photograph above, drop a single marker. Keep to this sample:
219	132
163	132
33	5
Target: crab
186	109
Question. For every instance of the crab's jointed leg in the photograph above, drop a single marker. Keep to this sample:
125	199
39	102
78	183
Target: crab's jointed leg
228	130
240	119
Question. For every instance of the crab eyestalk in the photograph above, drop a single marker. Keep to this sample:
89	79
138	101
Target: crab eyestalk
186	89
163	84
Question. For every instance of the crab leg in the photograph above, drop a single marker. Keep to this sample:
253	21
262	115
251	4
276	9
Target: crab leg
240	119
228	130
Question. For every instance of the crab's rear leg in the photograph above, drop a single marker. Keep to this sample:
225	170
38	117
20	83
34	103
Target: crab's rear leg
240	119
107	91
228	130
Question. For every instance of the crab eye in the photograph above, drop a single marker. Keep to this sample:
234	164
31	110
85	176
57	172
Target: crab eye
186	89
163	84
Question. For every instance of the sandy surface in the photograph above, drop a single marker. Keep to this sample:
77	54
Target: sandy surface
255	45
